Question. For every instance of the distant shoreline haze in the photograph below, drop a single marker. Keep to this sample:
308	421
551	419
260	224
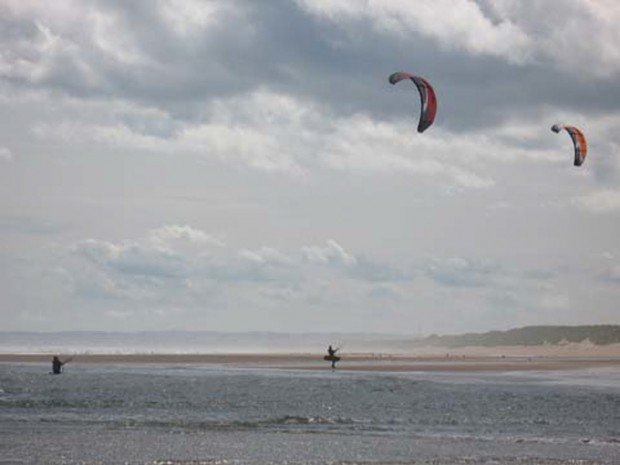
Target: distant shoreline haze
188	342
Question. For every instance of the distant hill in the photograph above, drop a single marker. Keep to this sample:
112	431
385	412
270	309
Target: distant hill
529	336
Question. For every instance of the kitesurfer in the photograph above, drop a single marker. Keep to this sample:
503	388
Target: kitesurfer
57	366
332	355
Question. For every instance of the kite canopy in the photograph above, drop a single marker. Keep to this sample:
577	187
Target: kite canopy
427	97
579	141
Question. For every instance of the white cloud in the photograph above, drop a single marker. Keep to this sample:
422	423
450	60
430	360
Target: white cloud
279	133
266	255
579	35
114	39
145	270
167	233
35	59
164	261
71	44
332	252
132	258
452	24
173	259
187	17
140	275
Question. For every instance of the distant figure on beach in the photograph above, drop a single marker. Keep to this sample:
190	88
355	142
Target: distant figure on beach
332	357
57	366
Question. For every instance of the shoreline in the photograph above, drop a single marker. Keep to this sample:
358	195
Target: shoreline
349	362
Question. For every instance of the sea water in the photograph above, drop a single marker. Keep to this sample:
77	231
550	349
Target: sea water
213	414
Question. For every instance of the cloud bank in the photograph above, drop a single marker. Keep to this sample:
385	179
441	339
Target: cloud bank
224	164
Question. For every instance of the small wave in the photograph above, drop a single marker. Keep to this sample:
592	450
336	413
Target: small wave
608	440
287	421
297	420
570	440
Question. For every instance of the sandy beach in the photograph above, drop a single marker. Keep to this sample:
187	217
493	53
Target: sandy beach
467	359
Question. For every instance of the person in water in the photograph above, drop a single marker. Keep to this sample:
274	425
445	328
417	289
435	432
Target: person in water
57	366
332	353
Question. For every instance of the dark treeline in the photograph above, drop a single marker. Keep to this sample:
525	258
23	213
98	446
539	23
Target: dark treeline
530	335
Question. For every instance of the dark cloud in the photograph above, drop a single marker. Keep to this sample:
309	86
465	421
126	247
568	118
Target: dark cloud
281	47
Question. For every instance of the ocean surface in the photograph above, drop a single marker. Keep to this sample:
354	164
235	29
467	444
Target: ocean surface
164	414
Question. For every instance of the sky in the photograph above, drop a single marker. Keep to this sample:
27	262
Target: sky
246	166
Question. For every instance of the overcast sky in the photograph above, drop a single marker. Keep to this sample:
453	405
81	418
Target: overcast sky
241	165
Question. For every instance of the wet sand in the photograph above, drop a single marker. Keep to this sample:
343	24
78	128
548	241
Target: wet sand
350	362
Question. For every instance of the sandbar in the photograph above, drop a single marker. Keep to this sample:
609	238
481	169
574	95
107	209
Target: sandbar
457	361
